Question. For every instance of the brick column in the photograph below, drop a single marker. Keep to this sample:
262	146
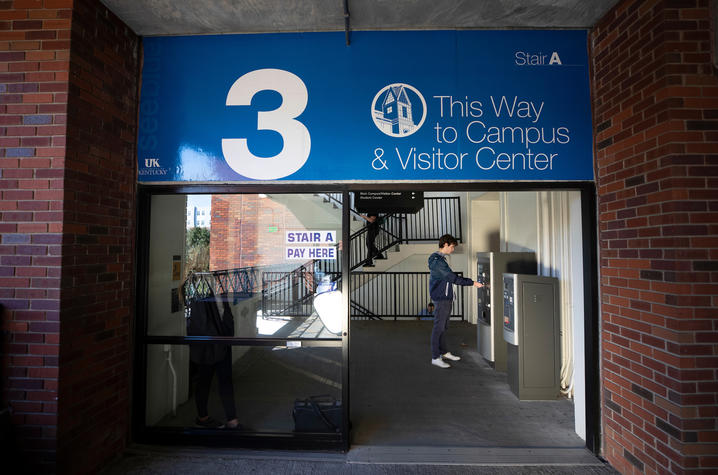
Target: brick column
34	64
97	300
67	184
656	125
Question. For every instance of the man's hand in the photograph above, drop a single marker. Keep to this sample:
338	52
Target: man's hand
478	284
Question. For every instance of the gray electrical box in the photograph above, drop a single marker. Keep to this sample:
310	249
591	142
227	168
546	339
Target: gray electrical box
490	268
532	332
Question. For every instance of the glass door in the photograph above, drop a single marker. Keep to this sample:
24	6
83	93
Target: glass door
244	327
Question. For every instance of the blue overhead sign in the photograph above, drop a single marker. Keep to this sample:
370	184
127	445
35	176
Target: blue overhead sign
423	105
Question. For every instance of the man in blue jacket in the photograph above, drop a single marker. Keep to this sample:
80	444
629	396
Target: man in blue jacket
442	293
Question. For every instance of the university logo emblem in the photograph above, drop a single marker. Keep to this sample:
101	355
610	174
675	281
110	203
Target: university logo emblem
398	110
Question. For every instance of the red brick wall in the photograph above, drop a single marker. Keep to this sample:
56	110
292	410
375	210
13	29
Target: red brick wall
240	233
97	297
34	62
232	217
656	118
67	191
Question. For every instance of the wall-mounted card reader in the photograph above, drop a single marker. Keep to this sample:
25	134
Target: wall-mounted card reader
490	267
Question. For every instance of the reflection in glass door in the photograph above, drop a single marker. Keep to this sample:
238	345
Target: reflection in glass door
244	316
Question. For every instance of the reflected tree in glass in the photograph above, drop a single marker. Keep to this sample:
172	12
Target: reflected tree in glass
197	250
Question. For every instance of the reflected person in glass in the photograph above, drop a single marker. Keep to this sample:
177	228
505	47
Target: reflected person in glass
205	320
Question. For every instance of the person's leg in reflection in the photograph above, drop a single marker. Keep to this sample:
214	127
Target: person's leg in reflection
201	397
226	391
226	394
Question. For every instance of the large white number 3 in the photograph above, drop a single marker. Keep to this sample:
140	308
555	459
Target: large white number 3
297	142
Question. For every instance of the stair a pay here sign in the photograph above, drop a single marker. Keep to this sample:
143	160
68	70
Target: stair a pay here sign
307	245
409	105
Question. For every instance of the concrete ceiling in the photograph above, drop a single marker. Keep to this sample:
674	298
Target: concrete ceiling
192	17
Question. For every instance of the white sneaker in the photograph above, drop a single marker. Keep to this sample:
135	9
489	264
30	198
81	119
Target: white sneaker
451	357
440	363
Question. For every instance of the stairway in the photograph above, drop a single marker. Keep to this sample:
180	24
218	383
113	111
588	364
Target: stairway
388	280
400	253
395	254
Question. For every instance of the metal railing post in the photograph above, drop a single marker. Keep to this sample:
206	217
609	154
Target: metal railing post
394	294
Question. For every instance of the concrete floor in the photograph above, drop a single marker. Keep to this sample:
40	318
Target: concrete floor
399	399
403	410
408	417
172	460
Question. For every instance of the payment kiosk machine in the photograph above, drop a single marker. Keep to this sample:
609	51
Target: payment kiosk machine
490	267
532	330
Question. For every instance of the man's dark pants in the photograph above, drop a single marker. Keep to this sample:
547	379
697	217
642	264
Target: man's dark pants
442	312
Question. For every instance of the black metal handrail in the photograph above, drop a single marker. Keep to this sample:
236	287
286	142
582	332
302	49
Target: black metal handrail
337	200
397	295
240	282
391	230
374	295
289	293
390	234
362	313
439	216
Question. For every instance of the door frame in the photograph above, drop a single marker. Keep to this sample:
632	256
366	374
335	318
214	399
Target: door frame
143	434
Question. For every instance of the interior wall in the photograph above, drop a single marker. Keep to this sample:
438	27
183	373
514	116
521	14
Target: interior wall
167	239
417	259
549	224
559	255
484	224
577	309
518	221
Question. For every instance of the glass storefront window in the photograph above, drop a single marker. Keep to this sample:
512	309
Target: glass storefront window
244	304
267	256
244	310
